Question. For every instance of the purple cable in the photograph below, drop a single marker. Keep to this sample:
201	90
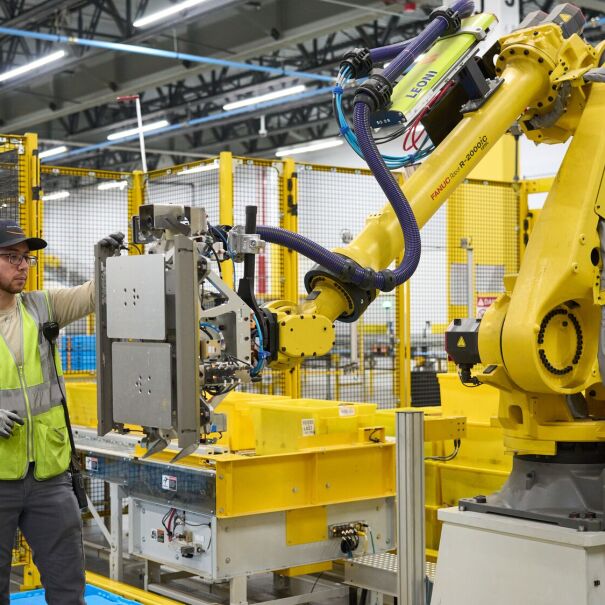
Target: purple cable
386	53
340	265
387	182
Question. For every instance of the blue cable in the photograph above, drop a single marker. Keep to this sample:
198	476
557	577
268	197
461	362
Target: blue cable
205	324
229	252
347	132
262	354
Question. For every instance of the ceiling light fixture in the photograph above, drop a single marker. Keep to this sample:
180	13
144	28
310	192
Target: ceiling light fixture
112	185
49	153
167	12
270	96
114	136
19	71
201	168
55	195
307	147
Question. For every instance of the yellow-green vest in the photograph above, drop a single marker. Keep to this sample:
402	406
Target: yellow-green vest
33	391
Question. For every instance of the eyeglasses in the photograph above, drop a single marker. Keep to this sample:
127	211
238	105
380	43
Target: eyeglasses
16	259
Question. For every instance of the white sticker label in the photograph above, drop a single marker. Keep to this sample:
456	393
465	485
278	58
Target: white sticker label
169	483
308	427
346	410
91	464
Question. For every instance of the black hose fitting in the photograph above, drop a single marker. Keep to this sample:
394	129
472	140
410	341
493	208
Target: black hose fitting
452	17
375	92
359	297
389	280
359	61
348	271
369	278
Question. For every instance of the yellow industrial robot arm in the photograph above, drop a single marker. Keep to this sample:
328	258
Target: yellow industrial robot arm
540	67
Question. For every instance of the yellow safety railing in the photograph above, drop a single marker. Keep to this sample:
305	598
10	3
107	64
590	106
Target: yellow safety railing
395	345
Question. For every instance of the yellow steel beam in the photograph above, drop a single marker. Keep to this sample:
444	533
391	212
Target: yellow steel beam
289	214
304	479
543	185
226	204
127	591
29	197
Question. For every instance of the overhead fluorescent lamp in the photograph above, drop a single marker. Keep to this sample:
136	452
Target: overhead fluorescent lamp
307	147
167	12
49	153
56	195
114	136
270	96
200	168
19	71
112	185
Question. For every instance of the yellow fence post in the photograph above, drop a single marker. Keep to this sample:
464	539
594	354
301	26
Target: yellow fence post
403	361
226	204
136	197
29	198
289	220
31	576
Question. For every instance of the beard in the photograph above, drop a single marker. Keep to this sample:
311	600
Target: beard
14	285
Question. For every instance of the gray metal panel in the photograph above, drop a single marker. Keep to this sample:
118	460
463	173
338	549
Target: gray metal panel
135	297
240	540
103	348
489	278
187	343
145	522
458	284
142	384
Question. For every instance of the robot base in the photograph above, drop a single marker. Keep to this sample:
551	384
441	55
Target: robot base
486	558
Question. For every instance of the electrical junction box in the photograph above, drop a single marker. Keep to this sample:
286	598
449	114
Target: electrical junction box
172	536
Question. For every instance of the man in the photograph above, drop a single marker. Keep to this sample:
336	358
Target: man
36	492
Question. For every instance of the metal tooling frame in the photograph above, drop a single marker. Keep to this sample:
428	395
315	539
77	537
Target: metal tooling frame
187	343
114	459
181	284
103	346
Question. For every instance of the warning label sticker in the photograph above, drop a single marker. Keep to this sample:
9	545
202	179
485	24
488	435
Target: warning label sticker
484	303
308	427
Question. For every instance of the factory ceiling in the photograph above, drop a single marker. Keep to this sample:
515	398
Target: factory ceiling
73	100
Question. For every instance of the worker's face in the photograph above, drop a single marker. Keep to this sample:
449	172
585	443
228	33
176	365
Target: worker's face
13	277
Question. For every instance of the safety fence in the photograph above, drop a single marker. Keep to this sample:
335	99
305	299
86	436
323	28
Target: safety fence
391	356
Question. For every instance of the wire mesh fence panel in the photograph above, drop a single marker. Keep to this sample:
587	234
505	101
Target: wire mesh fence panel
11	180
195	185
333	205
79	208
467	248
428	313
259	183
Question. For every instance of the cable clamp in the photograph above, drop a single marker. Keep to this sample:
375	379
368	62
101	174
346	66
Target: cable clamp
452	17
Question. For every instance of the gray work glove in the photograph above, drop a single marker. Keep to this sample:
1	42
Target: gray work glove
7	421
113	241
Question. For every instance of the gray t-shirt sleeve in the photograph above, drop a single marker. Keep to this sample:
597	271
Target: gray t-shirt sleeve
71	304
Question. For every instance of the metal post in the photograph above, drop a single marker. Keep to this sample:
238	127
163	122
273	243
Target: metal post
465	244
116	561
410	508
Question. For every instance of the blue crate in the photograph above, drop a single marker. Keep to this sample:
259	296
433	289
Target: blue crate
93	595
78	353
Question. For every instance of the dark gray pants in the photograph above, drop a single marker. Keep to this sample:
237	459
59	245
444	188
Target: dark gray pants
48	515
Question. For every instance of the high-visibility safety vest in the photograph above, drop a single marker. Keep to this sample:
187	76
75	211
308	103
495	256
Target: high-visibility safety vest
33	391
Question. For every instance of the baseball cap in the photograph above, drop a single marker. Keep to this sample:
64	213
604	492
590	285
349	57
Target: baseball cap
11	234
